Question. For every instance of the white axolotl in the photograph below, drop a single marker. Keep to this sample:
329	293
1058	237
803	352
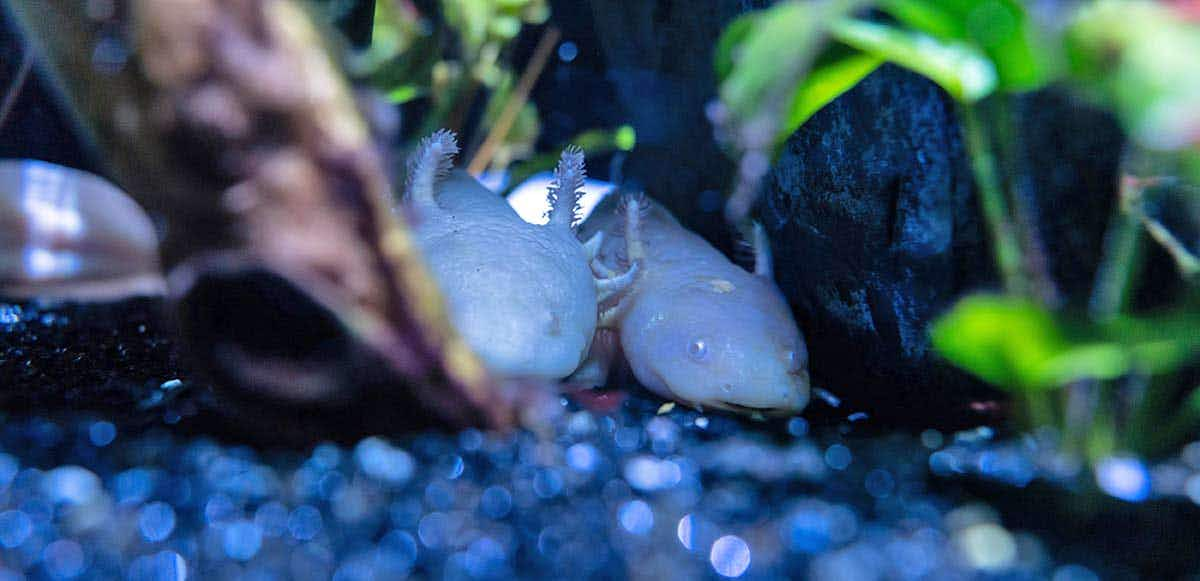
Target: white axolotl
694	326
522	295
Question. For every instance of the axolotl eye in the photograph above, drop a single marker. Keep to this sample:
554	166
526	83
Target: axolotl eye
698	350
796	359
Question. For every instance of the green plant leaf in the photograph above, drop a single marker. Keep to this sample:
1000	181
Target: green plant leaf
625	137
1157	344
732	37
761	55
1110	360
1139	59
1095	361
404	94
960	69
829	79
1000	28
1017	345
931	17
1003	340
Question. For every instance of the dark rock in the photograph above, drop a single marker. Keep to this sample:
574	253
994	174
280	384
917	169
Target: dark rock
875	231
1069	156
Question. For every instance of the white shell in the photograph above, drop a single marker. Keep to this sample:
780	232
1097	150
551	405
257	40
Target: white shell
68	234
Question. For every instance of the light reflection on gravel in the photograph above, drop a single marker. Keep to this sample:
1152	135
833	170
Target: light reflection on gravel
631	495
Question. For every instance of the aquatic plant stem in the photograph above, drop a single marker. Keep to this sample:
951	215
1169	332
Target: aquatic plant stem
1025	213
992	201
516	101
1079	412
1145	430
1122	246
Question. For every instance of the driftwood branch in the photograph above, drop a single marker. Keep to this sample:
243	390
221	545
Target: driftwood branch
293	278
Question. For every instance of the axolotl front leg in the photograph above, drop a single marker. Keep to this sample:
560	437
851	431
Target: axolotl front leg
569	177
610	284
613	289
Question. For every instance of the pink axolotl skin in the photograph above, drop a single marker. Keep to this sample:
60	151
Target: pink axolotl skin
695	327
522	295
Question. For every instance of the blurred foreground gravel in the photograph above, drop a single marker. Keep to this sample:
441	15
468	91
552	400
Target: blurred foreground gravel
625	495
610	489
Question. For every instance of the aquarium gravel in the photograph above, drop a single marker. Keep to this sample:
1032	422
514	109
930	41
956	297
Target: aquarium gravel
628	494
612	485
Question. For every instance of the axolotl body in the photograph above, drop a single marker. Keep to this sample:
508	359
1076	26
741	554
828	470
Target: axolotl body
522	295
694	326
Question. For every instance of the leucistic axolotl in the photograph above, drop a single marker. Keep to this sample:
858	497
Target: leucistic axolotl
694	326
522	295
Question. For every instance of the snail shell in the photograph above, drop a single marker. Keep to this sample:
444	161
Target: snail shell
68	234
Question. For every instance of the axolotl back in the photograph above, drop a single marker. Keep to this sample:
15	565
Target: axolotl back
521	294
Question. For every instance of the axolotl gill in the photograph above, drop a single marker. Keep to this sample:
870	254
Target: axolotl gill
694	326
522	295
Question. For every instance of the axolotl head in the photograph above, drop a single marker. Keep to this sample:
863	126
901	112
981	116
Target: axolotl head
729	344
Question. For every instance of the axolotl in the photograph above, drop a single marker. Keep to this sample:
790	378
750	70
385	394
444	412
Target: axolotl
694	326
522	295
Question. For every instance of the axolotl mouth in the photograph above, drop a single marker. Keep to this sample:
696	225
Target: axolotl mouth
748	410
791	407
769	411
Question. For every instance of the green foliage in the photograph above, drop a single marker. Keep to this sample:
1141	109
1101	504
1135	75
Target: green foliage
1005	341
959	67
1017	345
484	27
1140	59
450	61
998	28
969	47
781	65
761	55
837	70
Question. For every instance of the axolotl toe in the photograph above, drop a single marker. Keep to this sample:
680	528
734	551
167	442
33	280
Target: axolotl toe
694	326
522	295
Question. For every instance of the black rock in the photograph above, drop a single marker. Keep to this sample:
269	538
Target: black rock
875	231
1068	156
